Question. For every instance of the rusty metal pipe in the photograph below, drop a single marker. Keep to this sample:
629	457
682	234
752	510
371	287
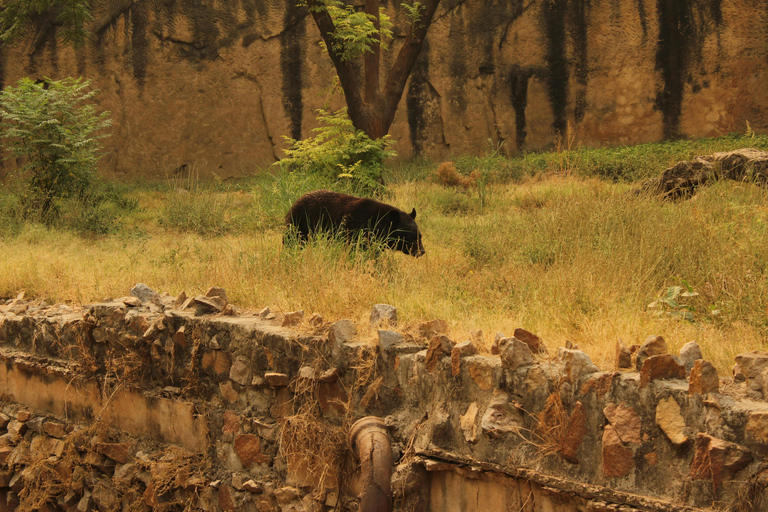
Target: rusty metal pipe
371	445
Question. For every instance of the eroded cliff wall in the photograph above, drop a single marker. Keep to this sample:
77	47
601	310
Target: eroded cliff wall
217	84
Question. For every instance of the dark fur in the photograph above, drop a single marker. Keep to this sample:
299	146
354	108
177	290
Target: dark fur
332	212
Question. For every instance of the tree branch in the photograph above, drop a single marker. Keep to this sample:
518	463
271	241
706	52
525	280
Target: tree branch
408	54
371	59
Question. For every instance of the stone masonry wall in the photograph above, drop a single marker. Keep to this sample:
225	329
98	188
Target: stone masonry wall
175	403
215	85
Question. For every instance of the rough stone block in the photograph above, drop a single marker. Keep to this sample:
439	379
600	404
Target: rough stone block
660	367
293	318
277	380
439	346
599	382
485	371
226	498
671	421
145	294
468	422
248	449
623	355
215	291
228	393
625	421
689	354
653	346
533	341
287	495
383	314
342	331
105	496
463	349
717	460
180	337
501	416
514	354
495	345
388	340
241	372
574	434
332	398
55	429
230	422
757	426
753	367
253	486
618	460
575	364
704	378
209	305
218	362
118	452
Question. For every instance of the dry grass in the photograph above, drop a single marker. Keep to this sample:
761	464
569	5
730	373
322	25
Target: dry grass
563	257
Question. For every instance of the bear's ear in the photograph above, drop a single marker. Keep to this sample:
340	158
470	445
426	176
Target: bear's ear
413	214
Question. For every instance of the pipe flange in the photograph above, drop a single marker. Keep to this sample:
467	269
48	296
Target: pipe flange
363	424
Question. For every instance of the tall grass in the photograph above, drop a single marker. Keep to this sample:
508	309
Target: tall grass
564	255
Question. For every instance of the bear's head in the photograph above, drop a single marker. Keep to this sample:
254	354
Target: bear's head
405	235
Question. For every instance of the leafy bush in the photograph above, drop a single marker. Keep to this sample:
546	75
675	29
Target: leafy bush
340	154
54	126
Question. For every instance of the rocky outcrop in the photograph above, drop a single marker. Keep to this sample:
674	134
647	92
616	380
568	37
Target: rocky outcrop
211	87
684	178
149	401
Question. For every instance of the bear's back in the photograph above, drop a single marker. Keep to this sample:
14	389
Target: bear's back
326	209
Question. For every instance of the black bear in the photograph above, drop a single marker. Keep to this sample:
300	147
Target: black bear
332	212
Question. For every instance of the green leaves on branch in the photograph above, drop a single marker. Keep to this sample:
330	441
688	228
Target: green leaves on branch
343	156
355	32
70	15
54	127
414	12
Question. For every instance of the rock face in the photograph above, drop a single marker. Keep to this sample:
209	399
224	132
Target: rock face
213	86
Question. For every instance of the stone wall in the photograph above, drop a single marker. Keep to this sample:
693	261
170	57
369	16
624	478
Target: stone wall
152	401
216	85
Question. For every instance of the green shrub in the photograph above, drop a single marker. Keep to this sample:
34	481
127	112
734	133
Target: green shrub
55	127
340	154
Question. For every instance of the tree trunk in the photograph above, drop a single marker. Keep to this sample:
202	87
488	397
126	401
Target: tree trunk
370	108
